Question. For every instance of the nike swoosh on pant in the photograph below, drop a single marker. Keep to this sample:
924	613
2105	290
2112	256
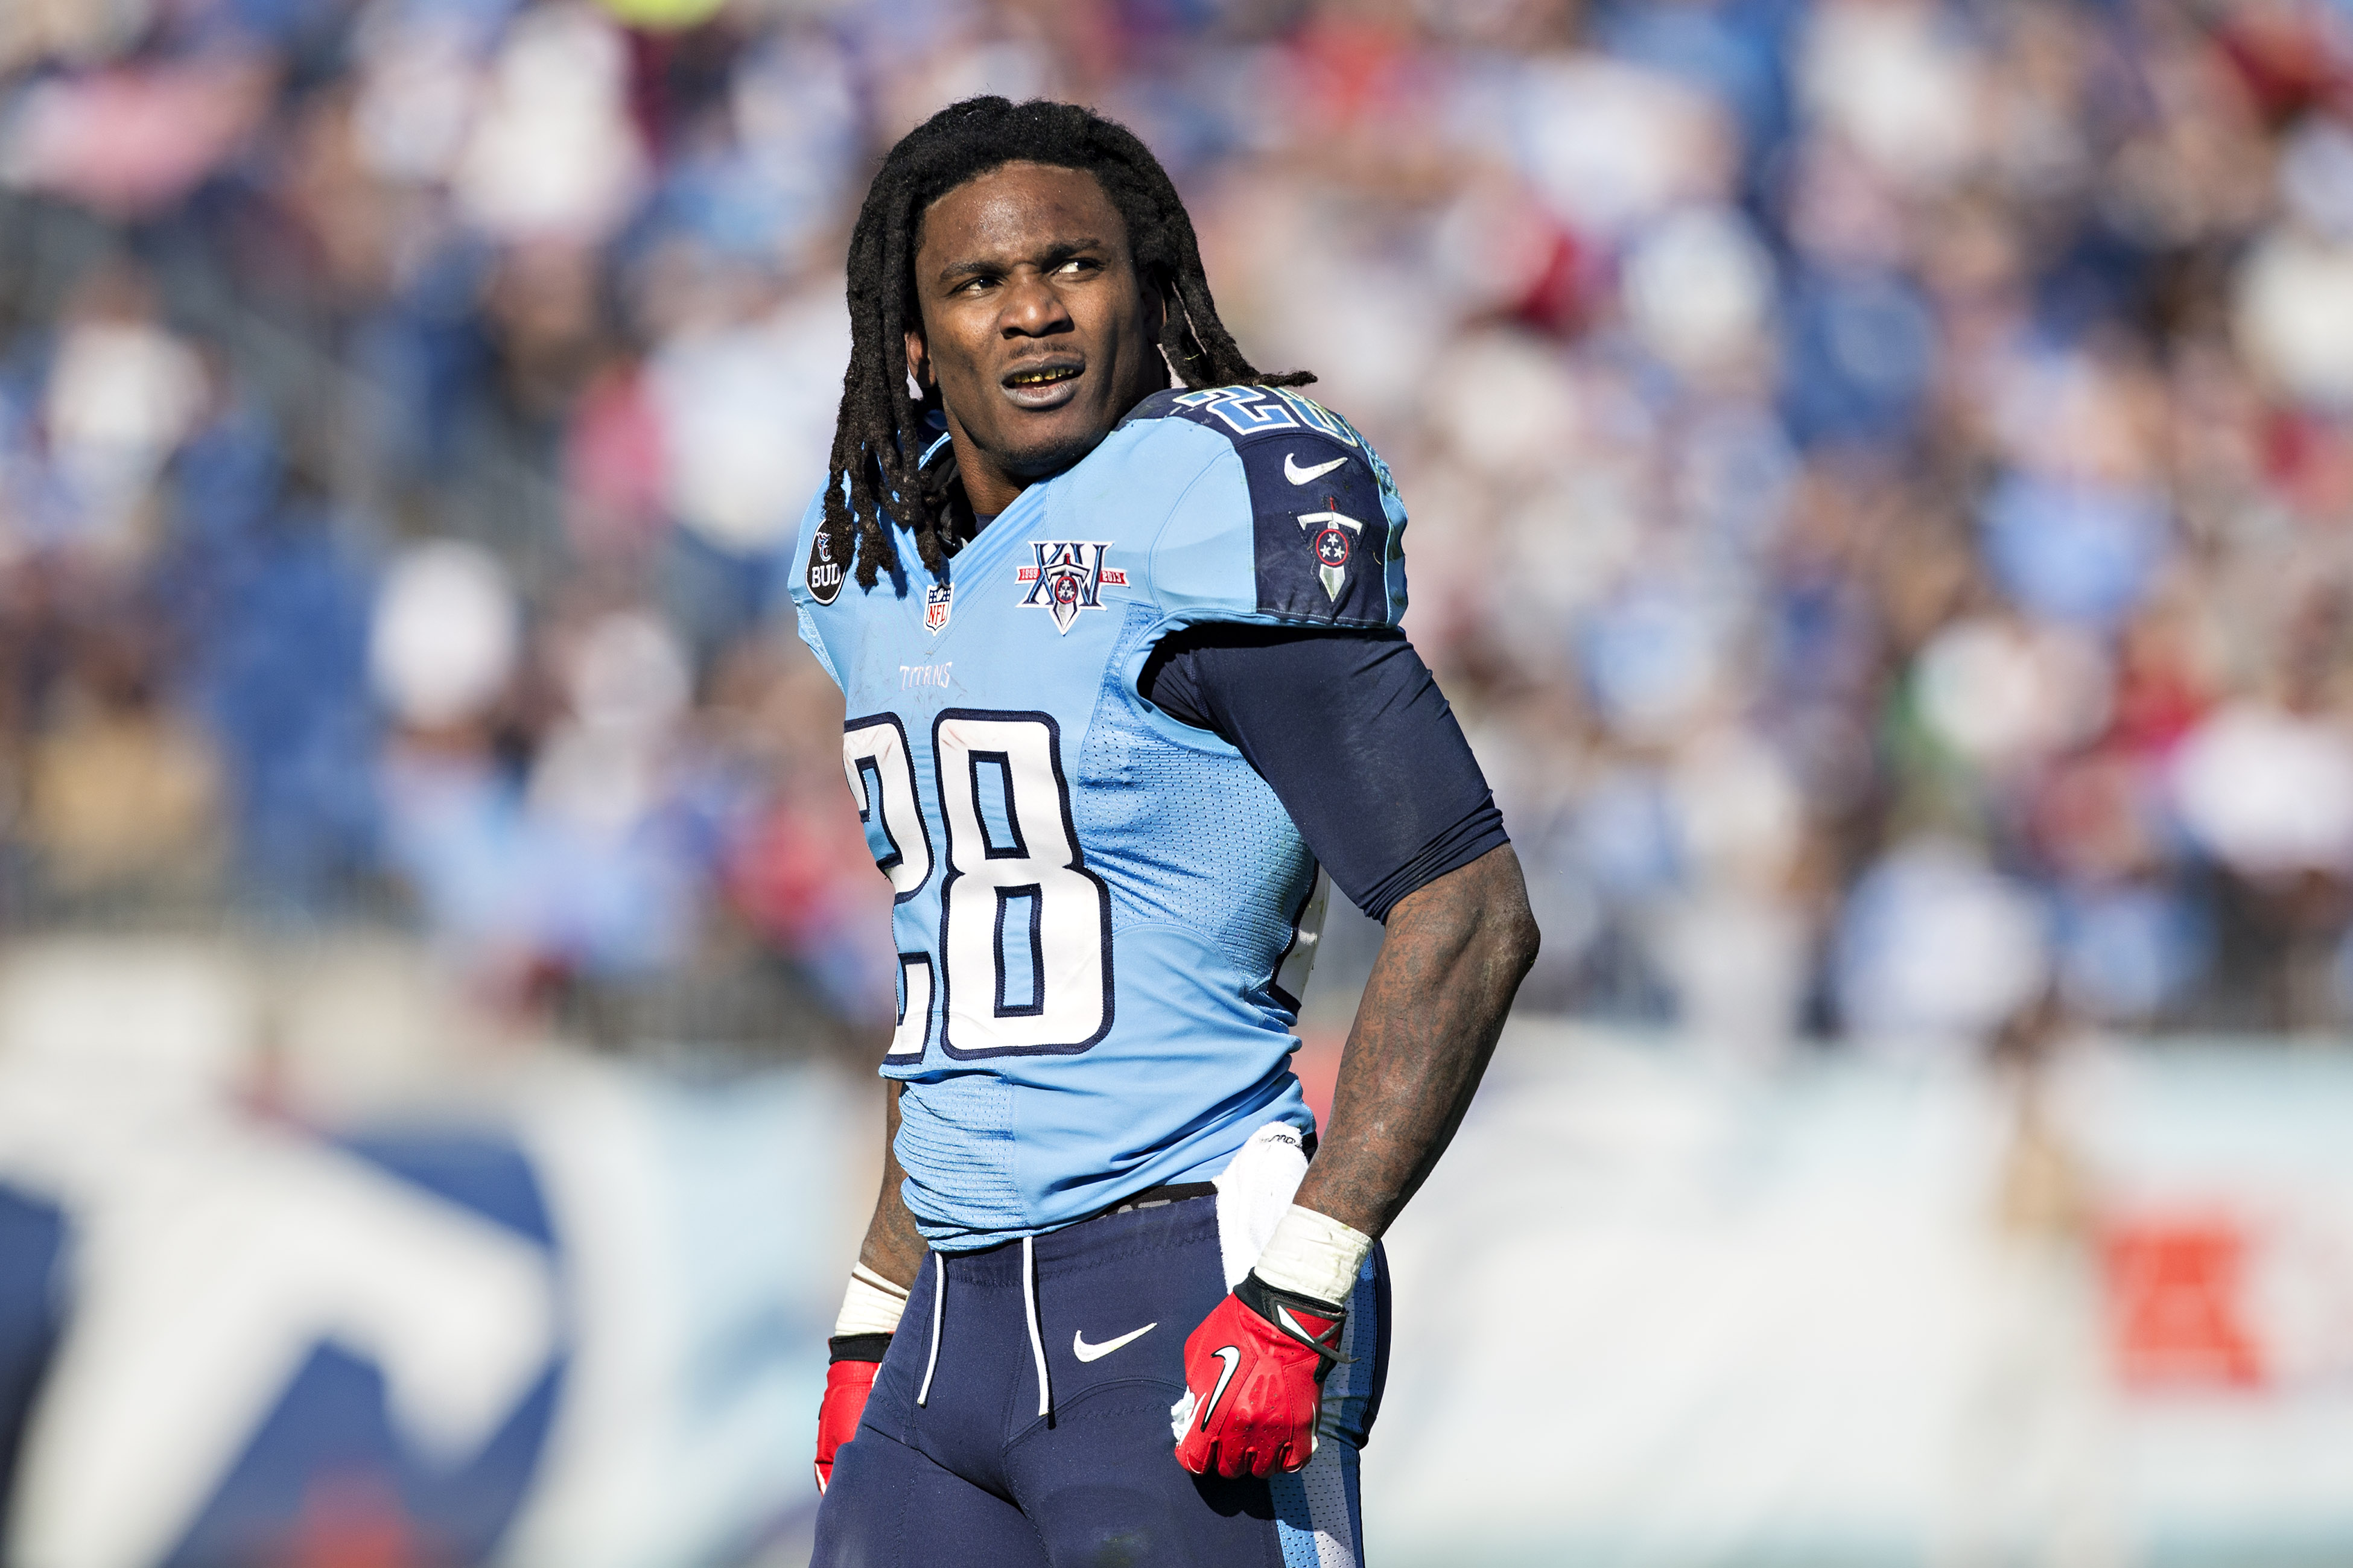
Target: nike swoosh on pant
1232	1356
1298	476
1086	1352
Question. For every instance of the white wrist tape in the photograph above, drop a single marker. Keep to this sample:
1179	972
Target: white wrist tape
870	1306
1313	1255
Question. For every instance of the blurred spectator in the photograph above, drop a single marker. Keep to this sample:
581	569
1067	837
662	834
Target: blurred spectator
123	796
122	393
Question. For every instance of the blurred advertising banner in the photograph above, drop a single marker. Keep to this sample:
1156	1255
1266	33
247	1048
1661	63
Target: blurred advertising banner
1659	1310
580	1322
1657	1307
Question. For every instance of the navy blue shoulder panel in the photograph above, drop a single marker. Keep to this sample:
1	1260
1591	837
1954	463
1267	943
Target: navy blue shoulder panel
1322	533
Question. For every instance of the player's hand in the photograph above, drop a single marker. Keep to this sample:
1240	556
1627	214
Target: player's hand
1254	1375
848	1382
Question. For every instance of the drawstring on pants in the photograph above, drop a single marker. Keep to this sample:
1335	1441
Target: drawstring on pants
1037	1339
1030	1305
939	1299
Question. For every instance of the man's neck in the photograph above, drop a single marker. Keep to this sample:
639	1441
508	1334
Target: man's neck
988	488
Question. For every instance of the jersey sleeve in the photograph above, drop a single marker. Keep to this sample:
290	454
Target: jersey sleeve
1349	730
1295	521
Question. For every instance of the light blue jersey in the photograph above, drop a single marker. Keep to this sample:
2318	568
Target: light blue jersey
1104	918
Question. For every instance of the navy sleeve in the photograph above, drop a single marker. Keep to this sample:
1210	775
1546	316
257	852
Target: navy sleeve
1354	738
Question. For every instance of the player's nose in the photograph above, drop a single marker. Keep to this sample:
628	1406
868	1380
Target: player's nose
1032	306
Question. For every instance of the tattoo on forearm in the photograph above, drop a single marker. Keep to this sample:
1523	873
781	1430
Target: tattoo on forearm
1452	960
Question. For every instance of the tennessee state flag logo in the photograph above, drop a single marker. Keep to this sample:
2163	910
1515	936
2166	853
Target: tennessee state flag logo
1068	576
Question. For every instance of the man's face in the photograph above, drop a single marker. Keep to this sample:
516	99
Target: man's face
1036	329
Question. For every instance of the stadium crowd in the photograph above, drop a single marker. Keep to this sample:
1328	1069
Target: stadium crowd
1881	471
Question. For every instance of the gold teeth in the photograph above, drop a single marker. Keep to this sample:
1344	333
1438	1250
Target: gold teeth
1038	377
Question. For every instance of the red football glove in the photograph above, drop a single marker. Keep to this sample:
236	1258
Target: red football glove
856	1359
1254	1375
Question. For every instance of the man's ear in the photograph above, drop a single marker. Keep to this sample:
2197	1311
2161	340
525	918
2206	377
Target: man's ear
1160	295
919	365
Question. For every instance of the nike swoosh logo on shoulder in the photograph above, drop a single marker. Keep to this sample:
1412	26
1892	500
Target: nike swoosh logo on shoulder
1232	1356
1086	1352
1298	476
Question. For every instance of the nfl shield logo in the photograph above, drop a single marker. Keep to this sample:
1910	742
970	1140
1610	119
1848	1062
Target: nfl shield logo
936	605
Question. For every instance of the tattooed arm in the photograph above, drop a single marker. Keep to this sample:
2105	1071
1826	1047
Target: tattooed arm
1453	957
1351	731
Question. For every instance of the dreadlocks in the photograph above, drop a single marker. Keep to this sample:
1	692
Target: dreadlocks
882	433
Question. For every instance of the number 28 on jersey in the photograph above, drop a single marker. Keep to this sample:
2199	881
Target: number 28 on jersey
1022	953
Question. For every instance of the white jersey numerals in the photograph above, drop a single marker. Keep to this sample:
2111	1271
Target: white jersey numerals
876	749
1024	936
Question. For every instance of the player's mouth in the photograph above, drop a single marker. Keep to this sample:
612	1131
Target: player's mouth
1044	384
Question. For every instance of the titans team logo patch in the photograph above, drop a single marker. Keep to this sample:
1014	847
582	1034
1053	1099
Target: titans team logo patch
1333	542
824	571
1068	577
939	599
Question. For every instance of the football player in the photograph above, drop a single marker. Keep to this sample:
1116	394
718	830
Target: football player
1116	618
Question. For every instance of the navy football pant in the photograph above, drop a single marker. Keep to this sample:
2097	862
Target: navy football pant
967	1473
